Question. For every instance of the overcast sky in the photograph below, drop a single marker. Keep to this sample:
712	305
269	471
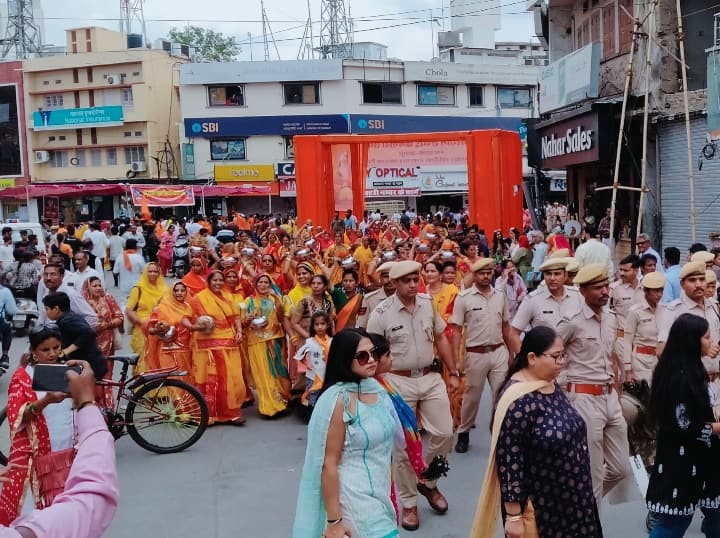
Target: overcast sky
409	39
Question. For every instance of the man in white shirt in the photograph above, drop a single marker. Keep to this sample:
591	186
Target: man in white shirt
593	251
99	240
83	271
55	279
134	233
116	247
645	247
193	227
540	249
6	249
129	276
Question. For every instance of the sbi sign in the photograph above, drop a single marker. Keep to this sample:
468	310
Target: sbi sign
205	127
371	124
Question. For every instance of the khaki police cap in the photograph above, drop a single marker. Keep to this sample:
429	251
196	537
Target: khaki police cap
385	267
482	263
703	256
710	276
591	274
553	263
692	269
560	253
572	265
653	281
404	268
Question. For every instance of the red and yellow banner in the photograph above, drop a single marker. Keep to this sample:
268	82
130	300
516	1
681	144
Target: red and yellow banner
162	196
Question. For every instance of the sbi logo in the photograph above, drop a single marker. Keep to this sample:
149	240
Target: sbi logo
205	127
371	124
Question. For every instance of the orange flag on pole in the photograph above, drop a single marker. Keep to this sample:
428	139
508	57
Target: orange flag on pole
145	209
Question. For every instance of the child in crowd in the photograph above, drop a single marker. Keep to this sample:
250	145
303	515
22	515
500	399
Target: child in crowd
313	356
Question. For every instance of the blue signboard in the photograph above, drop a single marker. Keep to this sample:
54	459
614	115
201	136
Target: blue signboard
373	124
76	118
267	125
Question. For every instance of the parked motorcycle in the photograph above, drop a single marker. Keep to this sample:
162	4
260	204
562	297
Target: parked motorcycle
26	316
181	259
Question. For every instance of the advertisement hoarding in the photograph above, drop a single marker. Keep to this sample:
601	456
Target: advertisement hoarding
76	118
572	79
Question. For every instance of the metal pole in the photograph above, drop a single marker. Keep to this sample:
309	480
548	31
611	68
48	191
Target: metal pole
691	173
643	173
628	84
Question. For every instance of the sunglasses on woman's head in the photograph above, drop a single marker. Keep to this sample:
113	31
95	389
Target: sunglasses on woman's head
363	357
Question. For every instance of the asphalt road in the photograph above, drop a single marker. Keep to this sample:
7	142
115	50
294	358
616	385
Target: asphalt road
242	482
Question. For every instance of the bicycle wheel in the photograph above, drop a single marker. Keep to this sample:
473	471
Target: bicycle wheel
4	437
166	416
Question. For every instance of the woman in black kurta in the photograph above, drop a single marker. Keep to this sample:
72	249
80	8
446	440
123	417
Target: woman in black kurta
541	453
686	474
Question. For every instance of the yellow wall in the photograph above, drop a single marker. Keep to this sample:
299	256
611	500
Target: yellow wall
155	112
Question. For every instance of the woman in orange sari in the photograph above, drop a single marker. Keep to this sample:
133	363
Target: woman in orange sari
217	365
347	301
172	321
263	318
196	279
443	298
109	318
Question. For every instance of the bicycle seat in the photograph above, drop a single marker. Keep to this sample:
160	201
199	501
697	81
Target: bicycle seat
125	358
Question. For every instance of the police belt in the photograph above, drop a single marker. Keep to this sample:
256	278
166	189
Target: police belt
415	372
482	349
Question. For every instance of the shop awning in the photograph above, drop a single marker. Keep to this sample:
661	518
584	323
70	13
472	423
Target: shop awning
85	189
110	189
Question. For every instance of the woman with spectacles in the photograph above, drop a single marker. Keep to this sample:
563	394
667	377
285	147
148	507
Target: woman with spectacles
345	484
539	458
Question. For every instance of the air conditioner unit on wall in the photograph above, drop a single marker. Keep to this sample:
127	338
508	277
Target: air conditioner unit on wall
114	79
138	166
42	156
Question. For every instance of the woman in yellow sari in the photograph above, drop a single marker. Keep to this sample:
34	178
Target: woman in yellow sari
263	318
173	314
217	365
443	298
143	298
234	288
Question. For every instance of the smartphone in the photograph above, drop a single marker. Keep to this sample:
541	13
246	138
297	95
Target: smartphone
51	377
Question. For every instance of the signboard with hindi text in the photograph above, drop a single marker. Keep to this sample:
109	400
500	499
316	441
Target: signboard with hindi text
162	196
76	118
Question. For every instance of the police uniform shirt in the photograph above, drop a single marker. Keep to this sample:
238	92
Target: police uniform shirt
481	315
369	303
411	335
641	329
685	305
622	297
540	308
588	345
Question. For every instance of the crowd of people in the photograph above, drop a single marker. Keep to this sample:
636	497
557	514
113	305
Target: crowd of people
410	315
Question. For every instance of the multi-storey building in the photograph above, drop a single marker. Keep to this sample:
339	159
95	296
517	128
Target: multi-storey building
104	112
240	119
581	93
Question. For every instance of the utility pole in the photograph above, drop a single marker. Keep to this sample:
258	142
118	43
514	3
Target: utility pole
267	29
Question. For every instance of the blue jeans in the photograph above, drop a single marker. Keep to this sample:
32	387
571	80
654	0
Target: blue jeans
667	526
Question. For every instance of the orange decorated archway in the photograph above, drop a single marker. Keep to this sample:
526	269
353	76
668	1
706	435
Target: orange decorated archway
331	173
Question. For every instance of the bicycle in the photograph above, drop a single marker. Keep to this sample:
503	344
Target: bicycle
155	402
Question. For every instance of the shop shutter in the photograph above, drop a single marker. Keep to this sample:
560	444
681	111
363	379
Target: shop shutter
675	186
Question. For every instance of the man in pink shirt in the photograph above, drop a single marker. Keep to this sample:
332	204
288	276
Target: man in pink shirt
87	506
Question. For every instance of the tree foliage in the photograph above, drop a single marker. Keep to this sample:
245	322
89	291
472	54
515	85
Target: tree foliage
213	46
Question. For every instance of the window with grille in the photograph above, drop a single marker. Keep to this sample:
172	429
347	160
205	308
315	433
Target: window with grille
134	153
53	100
58	159
111	155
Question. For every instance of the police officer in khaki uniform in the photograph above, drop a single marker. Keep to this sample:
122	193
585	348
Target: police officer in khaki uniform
547	304
412	326
641	331
623	294
588	335
708	258
374	298
483	313
692	301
